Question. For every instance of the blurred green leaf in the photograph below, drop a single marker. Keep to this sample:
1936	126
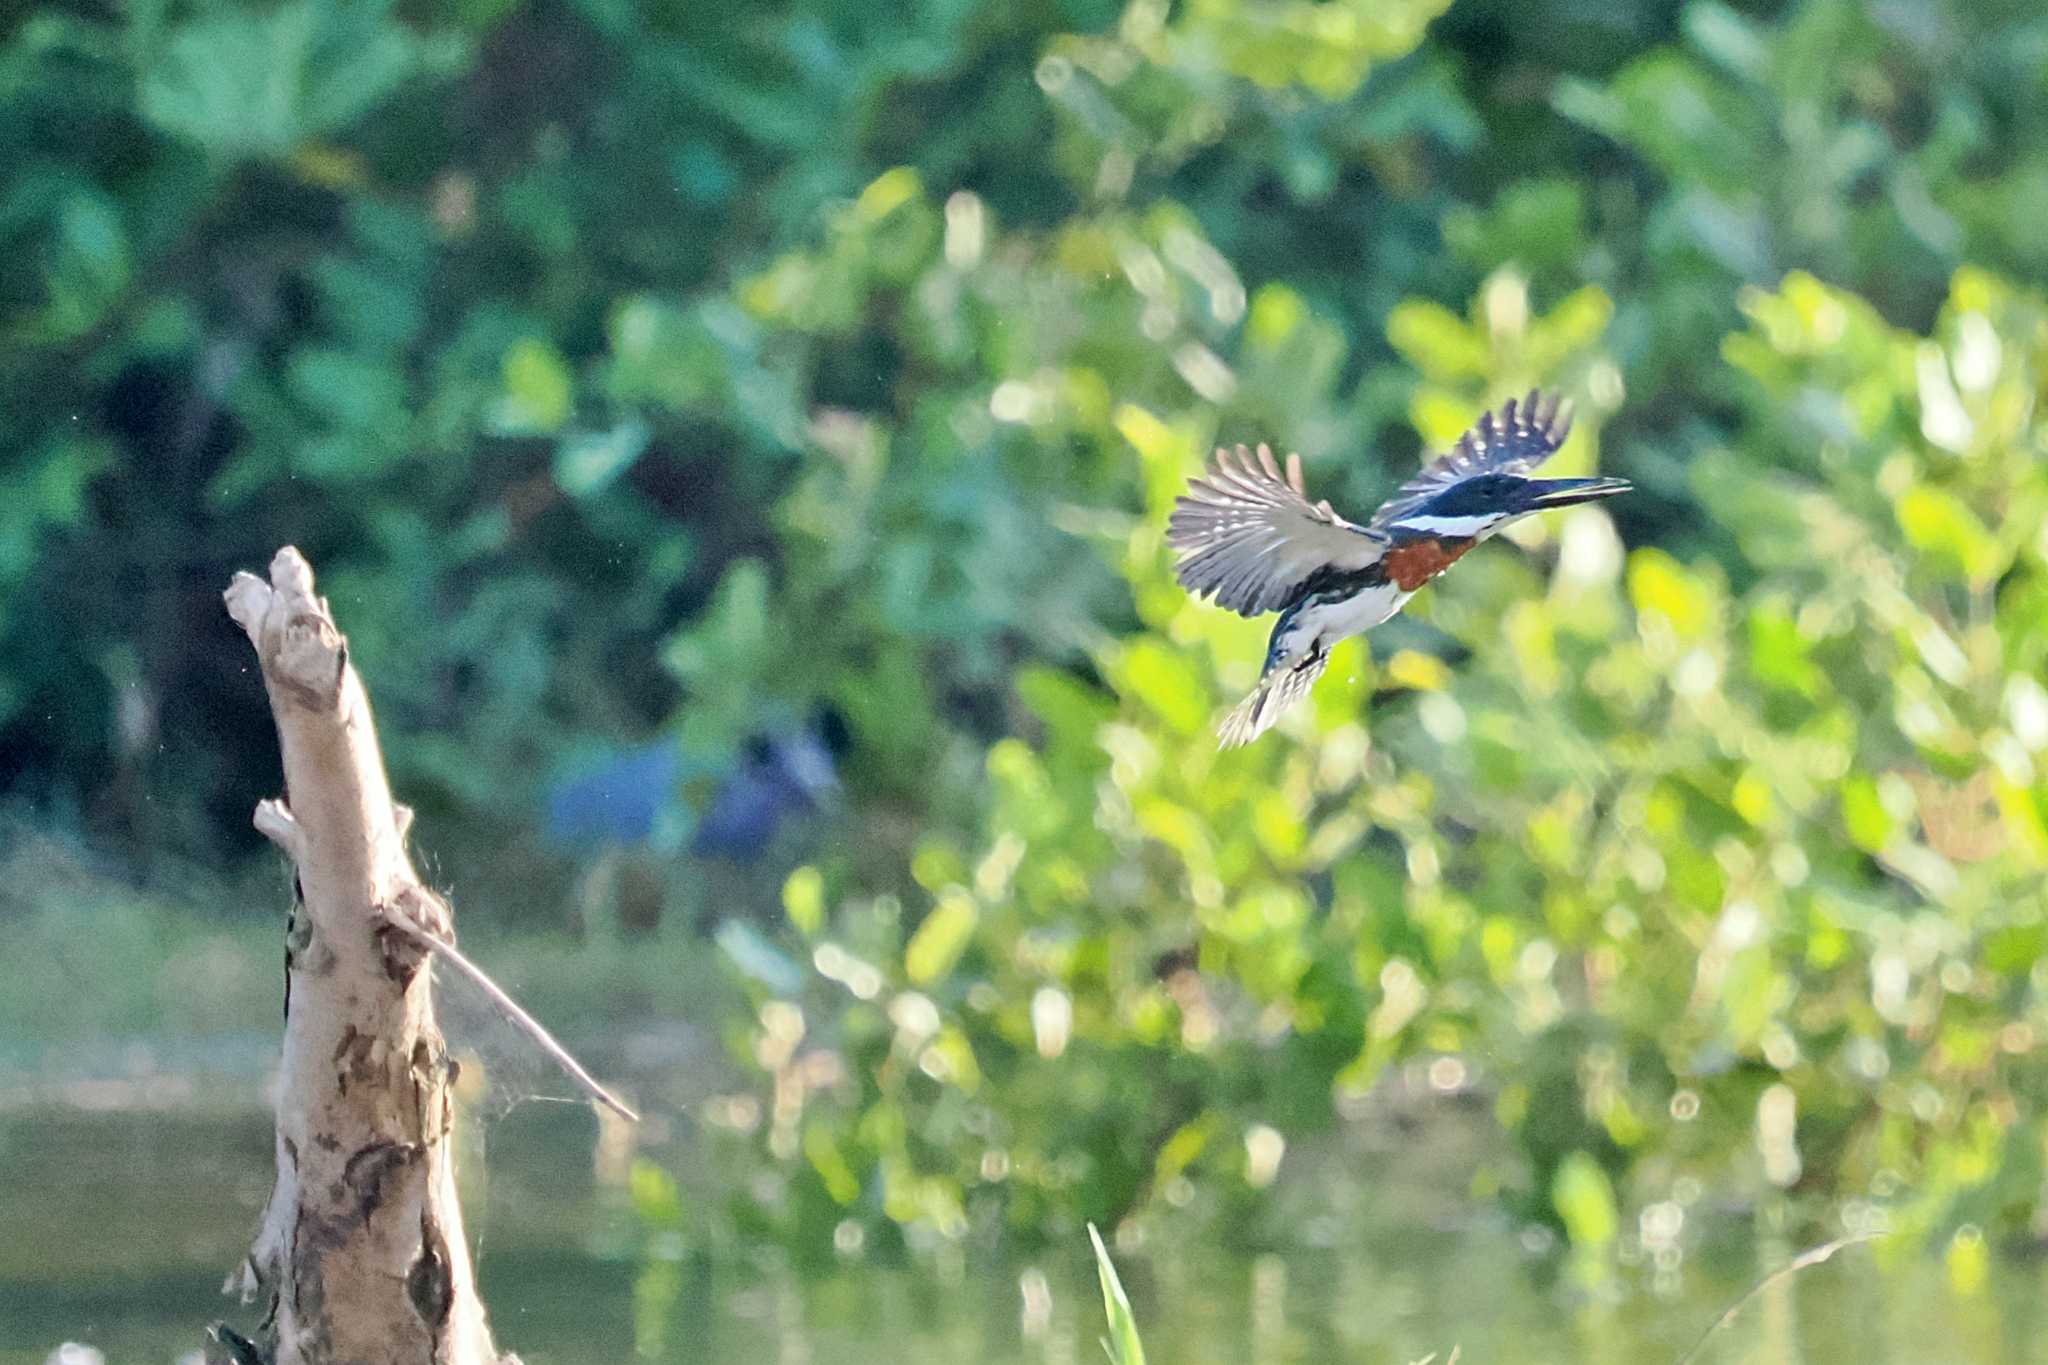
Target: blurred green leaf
1585	1201
657	1200
1864	815
803	900
1437	341
588	462
539	391
939	940
68	239
260	84
1937	522
1165	681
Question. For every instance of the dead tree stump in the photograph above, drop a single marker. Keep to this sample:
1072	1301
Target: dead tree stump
361	1256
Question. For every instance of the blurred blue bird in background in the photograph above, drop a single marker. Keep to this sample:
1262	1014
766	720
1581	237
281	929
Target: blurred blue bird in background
624	801
632	810
779	777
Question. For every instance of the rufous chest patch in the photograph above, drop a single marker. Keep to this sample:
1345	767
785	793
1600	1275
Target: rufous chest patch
1413	563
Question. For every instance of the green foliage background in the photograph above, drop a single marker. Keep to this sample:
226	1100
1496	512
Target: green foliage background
676	367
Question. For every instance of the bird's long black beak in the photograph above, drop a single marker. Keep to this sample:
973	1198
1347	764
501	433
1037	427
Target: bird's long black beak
1565	492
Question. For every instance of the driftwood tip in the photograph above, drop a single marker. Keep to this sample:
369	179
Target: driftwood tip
291	574
248	600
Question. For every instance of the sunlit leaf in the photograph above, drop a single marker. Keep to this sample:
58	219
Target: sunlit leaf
831	1167
1584	1199
1864	816
1437	341
1411	668
1661	587
1166	681
803	900
538	390
939	940
657	1199
1939	523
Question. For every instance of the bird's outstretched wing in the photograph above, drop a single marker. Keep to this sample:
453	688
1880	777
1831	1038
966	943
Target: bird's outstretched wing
1249	537
1513	440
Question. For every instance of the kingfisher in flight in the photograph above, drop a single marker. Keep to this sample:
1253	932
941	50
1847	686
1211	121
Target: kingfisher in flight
1251	540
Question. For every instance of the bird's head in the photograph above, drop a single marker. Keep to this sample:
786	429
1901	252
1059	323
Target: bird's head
1478	506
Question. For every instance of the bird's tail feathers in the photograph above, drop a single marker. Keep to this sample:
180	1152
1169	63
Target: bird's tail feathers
1278	690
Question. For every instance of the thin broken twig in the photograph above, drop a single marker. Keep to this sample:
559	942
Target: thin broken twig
512	1011
1804	1260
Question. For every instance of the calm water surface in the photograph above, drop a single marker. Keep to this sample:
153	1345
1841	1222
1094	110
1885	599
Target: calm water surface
118	1224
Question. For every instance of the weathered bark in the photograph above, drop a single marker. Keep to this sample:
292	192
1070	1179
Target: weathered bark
361	1256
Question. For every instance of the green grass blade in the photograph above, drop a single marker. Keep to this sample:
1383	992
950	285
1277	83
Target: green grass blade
1122	1343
